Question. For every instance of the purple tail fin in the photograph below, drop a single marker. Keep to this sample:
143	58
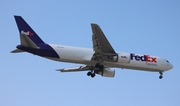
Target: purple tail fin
24	28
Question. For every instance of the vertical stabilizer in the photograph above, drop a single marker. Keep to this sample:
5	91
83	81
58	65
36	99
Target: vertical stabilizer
25	29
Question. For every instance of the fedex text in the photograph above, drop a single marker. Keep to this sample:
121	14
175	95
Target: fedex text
145	58
27	33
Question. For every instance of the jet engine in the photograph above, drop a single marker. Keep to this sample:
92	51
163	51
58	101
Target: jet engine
107	72
120	58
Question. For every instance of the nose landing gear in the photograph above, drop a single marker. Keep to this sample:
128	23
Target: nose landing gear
161	75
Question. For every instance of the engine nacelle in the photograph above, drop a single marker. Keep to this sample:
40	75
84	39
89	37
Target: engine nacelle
107	72
119	57
123	58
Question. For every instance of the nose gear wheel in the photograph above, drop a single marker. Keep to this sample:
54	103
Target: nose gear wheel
161	75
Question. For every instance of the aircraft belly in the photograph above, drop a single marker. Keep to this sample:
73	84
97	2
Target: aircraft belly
73	56
135	66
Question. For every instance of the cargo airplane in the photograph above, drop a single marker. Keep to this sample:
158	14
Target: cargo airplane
98	60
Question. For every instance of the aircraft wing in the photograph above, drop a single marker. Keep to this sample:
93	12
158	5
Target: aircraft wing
100	42
101	46
76	69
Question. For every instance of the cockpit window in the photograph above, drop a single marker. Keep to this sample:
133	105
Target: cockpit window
167	61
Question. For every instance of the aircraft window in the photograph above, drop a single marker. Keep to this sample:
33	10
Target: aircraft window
167	61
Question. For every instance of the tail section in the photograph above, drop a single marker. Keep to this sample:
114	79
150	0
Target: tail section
28	36
31	42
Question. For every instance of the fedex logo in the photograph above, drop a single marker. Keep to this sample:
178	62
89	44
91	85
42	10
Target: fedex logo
124	57
145	58
27	33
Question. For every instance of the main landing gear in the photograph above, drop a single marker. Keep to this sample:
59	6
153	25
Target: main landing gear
98	65
161	75
91	73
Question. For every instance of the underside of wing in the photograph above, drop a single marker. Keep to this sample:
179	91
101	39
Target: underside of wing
106	72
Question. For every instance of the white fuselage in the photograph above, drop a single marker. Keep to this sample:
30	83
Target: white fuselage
83	56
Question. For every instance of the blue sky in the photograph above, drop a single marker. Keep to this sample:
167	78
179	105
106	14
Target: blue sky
146	27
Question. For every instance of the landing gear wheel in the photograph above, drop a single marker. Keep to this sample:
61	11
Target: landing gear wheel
89	73
160	77
93	75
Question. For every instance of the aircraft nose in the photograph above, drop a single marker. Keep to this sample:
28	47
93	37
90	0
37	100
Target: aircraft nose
170	66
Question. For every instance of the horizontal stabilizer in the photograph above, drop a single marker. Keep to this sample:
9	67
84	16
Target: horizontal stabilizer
17	51
75	69
26	41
